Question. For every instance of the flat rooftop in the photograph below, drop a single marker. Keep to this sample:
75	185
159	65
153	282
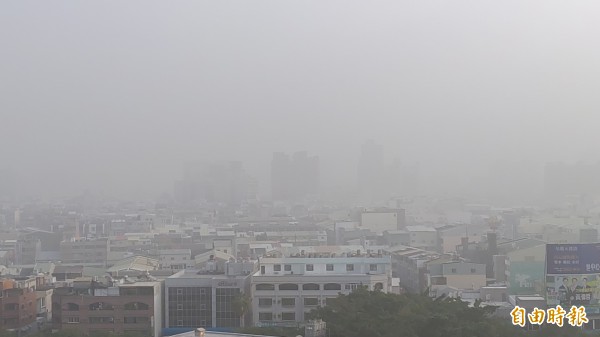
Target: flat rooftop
218	334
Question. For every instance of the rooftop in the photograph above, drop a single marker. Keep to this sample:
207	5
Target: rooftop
140	263
420	229
202	274
217	334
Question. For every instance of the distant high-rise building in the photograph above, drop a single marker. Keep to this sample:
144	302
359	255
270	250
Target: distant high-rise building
294	178
224	182
280	176
402	179
371	171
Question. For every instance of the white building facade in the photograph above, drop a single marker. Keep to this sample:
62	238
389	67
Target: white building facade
285	289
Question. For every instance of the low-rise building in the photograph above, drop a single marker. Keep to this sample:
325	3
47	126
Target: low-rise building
210	298
455	274
286	288
409	264
113	306
383	219
525	270
175	259
85	252
423	237
17	303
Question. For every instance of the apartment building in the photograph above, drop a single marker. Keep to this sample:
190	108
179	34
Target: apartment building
285	288
524	270
84	251
446	277
17	303
207	298
410	265
113	306
175	259
423	237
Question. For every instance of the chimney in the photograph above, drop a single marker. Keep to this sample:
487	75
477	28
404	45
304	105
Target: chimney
465	244
492	243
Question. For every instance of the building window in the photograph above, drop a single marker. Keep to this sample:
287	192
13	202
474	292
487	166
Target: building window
101	306
473	270
288	286
265	316
329	267
179	306
137	306
277	267
311	286
332	286
454	270
311	301
134	320
180	322
287	267
72	307
101	320
265	286
288	316
310	267
73	320
265	302
288	302
373	267
349	267
179	291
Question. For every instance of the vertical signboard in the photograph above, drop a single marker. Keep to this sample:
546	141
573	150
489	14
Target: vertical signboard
573	275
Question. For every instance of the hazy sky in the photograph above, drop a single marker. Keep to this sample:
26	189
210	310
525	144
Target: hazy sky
116	95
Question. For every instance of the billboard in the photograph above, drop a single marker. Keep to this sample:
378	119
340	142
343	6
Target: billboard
570	289
576	259
526	277
573	276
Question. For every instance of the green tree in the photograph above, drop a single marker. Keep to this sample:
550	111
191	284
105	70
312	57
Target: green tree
378	314
241	304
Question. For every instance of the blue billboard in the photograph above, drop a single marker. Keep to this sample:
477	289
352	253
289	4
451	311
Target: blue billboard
579	259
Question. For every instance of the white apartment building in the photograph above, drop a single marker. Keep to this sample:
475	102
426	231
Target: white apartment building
284	289
175	259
